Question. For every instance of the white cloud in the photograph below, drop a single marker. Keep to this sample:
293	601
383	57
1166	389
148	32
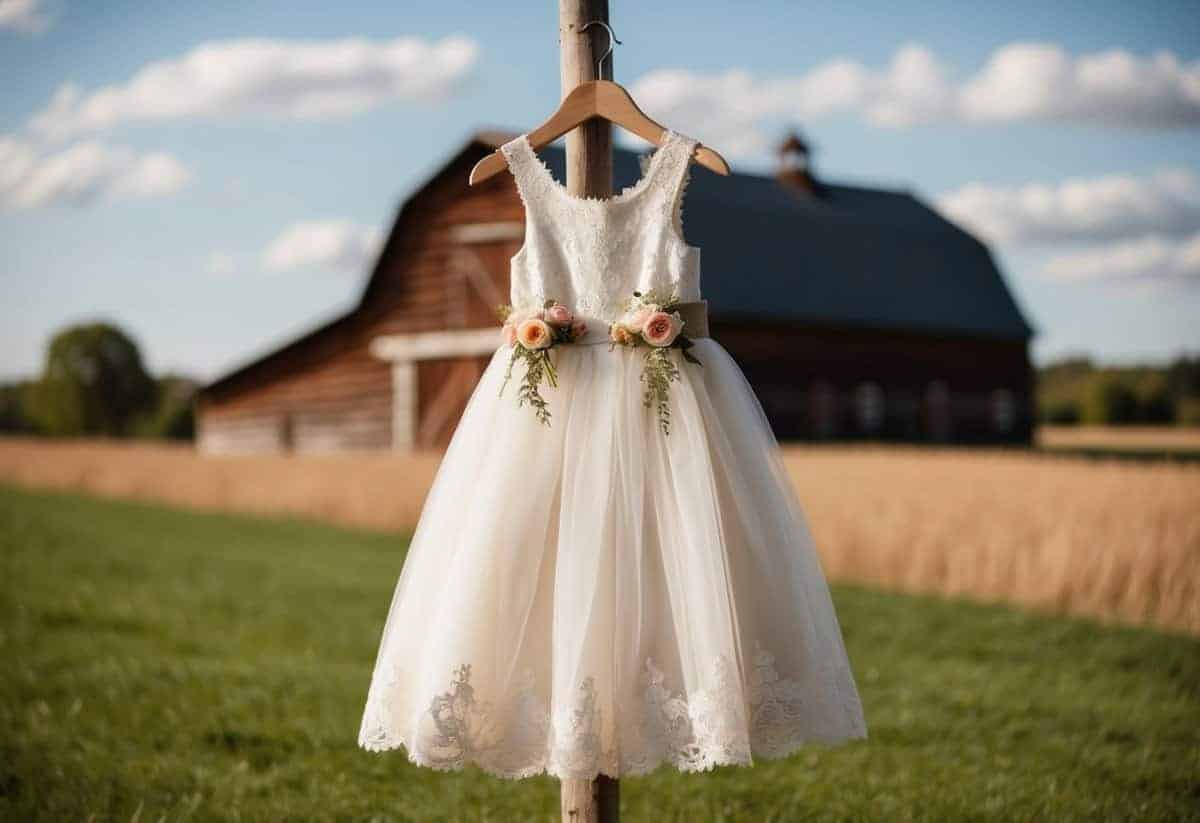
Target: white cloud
1083	210
1042	81
1153	259
1021	81
17	159
82	173
330	244
1118	229
293	79
24	15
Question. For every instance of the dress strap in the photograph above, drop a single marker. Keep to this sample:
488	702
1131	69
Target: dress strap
676	173
531	177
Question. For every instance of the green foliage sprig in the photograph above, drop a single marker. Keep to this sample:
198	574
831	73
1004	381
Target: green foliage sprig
657	373
538	365
659	369
561	327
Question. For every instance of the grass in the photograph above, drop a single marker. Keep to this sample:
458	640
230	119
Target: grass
170	665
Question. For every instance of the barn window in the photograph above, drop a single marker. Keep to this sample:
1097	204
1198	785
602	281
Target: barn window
868	407
822	401
938	420
903	408
287	431
1004	411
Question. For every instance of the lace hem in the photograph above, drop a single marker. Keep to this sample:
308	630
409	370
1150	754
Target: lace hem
722	724
397	743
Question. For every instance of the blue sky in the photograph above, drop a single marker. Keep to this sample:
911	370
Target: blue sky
215	177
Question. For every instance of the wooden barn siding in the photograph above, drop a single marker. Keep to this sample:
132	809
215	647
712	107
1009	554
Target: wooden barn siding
410	293
338	394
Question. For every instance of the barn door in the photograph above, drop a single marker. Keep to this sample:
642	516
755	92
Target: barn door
477	281
445	385
477	275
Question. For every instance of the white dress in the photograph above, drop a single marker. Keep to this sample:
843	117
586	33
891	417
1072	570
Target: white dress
596	596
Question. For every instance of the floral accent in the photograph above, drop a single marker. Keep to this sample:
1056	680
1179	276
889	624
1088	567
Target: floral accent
662	329
535	334
650	319
532	333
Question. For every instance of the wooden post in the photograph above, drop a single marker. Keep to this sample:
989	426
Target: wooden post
589	174
589	147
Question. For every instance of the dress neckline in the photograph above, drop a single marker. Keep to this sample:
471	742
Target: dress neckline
626	193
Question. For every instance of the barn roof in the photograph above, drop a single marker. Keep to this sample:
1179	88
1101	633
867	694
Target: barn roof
845	256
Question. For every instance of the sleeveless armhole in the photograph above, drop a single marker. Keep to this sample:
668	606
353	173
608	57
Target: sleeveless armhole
530	184
514	155
677	183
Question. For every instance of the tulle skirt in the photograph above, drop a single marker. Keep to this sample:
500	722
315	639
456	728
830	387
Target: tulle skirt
594	596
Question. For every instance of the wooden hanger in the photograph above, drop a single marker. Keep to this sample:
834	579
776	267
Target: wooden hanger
596	98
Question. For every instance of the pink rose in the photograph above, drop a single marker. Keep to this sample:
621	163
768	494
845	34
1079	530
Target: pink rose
661	328
534	334
559	315
510	334
578	329
637	318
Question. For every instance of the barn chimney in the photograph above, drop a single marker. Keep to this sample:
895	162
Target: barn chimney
794	169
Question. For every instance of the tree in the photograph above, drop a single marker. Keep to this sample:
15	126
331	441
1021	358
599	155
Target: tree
1108	399
94	382
171	417
13	417
1187	411
1154	401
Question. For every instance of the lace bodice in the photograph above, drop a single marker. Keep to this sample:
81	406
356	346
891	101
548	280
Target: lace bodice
592	253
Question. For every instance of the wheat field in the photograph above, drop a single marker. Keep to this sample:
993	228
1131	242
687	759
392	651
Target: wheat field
1110	539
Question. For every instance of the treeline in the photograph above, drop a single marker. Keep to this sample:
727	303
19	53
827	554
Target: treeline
1076	390
94	383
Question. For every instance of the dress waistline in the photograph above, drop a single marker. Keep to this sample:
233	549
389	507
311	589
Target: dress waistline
694	315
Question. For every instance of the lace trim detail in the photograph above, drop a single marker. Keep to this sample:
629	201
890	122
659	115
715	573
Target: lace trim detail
724	723
675	186
681	185
520	163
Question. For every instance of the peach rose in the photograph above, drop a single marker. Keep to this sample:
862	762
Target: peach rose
578	329
619	334
559	315
661	328
510	333
534	334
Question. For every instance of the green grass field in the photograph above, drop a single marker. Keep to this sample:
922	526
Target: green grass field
164	665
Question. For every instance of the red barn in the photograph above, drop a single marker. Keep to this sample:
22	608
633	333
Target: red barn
855	313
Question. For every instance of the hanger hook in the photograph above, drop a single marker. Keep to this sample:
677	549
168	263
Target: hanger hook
612	39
